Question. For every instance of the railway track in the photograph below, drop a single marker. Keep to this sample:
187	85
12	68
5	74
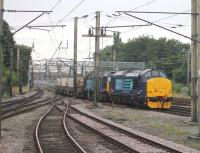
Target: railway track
35	96
24	105
52	135
6	113
178	110
65	128
180	106
92	134
90	139
112	137
181	101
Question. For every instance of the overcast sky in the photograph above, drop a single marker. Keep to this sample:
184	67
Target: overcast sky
47	42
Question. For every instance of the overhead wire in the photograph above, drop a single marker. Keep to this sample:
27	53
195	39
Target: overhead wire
55	51
155	21
72	10
156	12
171	16
162	27
52	42
87	22
61	20
134	20
53	30
53	7
49	17
140	6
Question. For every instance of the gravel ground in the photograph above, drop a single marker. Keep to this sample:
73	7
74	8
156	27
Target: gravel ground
32	92
167	126
88	139
17	132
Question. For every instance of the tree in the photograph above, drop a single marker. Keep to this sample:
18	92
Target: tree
108	52
9	46
169	55
116	41
25	57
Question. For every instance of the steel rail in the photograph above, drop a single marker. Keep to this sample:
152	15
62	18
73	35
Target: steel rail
18	106
64	126
68	134
130	134
33	97
37	129
26	107
103	135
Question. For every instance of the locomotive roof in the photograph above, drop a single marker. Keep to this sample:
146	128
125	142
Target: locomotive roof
120	73
109	73
137	72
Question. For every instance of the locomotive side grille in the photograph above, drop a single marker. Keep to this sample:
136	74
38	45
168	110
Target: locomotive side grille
127	84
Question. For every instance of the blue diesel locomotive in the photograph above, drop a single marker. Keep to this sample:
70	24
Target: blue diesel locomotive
148	87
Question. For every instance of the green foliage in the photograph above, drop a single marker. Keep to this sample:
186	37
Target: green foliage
116	41
6	76
177	88
14	79
107	54
9	47
181	88
25	56
169	55
179	74
8	44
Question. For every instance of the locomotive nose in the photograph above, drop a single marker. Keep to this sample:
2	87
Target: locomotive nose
159	93
159	87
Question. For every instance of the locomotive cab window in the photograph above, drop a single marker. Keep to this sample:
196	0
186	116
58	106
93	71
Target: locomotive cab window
163	75
104	80
155	74
135	83
147	76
